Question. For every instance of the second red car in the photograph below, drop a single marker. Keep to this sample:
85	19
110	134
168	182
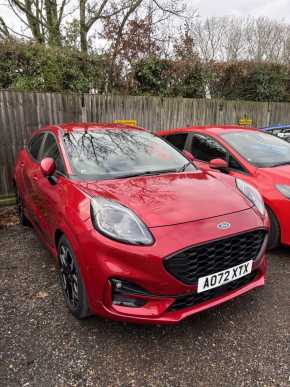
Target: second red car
258	158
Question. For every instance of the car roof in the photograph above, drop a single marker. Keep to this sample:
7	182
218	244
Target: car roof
79	126
219	129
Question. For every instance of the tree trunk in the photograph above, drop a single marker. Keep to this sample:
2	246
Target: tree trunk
83	27
54	38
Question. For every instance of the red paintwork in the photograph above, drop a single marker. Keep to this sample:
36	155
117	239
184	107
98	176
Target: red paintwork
264	179
181	209
47	166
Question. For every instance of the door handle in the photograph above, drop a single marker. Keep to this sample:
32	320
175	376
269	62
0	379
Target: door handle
35	178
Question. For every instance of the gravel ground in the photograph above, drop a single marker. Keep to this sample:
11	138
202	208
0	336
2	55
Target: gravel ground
245	342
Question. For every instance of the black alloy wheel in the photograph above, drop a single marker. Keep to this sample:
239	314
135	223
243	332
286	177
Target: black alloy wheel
71	281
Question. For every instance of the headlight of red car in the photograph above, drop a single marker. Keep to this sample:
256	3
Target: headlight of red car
118	222
252	194
284	190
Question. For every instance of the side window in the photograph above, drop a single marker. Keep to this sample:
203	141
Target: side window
178	140
35	144
205	148
50	149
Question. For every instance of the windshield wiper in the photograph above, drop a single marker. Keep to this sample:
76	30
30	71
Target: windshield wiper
183	168
146	173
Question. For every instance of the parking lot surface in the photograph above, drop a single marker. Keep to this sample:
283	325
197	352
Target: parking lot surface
245	342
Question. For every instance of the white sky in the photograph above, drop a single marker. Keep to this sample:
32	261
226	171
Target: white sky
275	9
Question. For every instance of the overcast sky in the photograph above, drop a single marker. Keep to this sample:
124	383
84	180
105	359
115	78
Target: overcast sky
276	9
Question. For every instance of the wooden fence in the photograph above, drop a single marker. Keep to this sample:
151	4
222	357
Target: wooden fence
22	112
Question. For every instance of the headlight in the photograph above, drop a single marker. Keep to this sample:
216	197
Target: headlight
284	190
252	194
118	222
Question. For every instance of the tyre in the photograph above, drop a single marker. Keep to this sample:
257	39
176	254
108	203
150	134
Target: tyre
71	281
20	209
274	234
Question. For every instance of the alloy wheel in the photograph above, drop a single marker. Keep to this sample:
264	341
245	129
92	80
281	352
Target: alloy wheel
68	275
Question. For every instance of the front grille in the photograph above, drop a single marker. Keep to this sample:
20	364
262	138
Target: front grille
198	298
198	261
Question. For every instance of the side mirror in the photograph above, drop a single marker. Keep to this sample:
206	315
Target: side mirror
188	155
48	167
219	164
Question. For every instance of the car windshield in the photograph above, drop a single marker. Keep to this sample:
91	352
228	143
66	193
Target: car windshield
113	153
258	148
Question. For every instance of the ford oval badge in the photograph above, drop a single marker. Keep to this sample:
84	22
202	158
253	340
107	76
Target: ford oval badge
224	225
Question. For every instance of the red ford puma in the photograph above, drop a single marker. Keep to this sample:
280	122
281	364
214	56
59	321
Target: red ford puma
140	234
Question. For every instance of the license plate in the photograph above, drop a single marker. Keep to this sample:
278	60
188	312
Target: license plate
223	277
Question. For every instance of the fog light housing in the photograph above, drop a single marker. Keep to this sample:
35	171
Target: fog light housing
127	294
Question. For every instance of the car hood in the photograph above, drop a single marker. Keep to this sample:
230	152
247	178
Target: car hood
173	198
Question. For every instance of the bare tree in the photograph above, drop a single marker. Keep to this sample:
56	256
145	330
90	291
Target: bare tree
208	36
238	38
42	18
233	39
139	31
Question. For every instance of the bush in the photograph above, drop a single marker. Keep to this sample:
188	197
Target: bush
165	77
28	66
250	81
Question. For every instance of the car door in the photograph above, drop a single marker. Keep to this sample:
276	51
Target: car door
205	148
50	192
29	173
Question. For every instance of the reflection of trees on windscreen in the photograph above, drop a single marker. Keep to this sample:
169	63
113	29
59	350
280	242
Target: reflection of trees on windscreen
108	151
102	145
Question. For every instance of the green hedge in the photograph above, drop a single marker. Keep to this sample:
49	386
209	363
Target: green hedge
28	66
34	67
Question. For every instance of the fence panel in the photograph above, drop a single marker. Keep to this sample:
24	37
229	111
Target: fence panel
20	114
23	112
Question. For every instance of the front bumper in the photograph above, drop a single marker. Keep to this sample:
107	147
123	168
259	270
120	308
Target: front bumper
144	266
157	311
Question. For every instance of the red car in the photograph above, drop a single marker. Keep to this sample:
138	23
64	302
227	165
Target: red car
256	157
139	233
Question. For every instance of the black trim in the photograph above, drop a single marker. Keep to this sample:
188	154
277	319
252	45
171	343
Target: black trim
209	295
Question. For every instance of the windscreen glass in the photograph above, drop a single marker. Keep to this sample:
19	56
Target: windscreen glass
258	148
111	153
